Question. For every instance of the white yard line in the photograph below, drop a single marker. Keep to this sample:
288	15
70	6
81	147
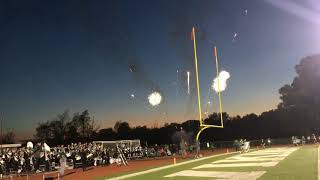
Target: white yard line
166	167
318	162
261	164
238	161
253	175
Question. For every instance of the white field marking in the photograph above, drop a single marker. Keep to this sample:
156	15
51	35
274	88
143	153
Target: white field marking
234	162
277	150
243	159
318	162
242	162
256	158
166	167
269	156
258	164
266	153
270	151
220	175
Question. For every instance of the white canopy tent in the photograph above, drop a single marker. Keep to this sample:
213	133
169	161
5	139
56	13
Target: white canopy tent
9	146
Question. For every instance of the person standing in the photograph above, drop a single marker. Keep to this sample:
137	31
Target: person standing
303	140
309	139
263	144
197	148
105	157
183	147
314	139
83	155
269	142
63	162
212	146
2	167
236	145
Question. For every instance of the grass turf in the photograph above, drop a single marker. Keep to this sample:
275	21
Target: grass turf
169	170
301	164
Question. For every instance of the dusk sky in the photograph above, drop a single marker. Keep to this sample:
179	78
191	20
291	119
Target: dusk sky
67	55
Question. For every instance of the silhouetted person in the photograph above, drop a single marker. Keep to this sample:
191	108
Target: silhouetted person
105	158
197	148
83	155
269	142
263	144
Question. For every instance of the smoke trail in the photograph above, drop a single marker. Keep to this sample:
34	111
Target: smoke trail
182	135
188	74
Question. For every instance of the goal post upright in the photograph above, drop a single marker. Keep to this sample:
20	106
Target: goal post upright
202	125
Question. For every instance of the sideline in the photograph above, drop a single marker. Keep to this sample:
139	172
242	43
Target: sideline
168	166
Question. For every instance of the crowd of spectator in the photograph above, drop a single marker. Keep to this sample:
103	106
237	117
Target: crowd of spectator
42	158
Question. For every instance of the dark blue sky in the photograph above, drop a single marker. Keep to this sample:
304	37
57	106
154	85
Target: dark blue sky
57	55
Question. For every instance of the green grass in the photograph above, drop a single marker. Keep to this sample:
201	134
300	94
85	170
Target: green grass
167	171
162	173
127	172
300	165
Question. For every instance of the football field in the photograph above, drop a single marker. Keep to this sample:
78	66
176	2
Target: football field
282	163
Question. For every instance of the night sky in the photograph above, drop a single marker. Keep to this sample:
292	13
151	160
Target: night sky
72	55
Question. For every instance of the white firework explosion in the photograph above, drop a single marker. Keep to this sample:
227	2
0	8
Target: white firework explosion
155	98
223	77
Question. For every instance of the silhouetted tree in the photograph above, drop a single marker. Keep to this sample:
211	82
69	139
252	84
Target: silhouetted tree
301	98
62	130
140	132
43	131
8	137
106	134
124	130
72	129
116	126
215	118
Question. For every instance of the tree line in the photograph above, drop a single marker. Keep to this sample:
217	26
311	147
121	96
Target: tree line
8	137
298	113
